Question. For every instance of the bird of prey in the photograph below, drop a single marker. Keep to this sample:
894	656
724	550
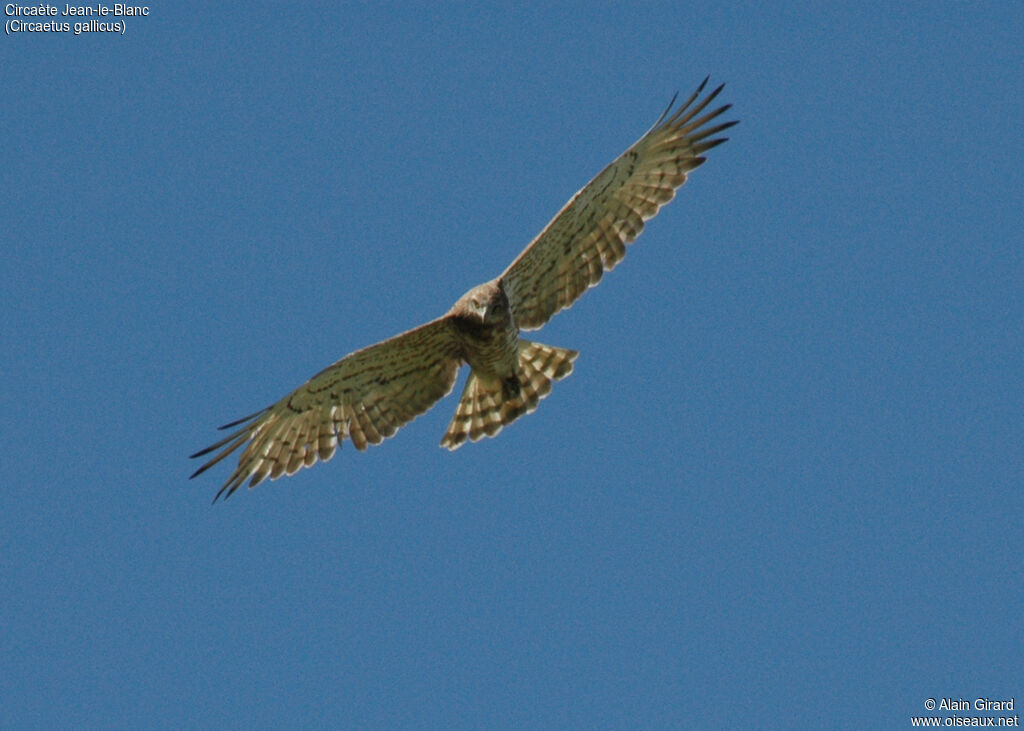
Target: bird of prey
367	395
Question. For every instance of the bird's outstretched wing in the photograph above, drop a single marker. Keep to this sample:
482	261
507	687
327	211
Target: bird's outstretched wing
589	235
366	396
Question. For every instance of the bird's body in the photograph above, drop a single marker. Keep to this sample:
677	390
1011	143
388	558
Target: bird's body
489	343
367	395
508	375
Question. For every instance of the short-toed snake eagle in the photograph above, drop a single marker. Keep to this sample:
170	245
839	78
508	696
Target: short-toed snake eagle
367	395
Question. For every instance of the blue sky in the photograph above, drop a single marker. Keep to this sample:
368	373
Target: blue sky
783	486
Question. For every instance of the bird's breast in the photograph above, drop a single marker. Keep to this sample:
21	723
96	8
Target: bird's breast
491	349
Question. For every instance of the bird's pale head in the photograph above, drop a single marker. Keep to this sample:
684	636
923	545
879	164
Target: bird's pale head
485	303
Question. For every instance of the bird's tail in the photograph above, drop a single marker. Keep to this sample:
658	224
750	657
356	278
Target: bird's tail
489	404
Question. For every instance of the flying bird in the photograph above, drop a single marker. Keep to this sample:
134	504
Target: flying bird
367	395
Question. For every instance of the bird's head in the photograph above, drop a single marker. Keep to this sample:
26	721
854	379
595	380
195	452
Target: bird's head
485	303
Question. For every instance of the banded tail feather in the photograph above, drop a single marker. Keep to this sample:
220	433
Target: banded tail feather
487	405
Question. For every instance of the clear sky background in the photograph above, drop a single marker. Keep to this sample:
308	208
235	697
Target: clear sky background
783	486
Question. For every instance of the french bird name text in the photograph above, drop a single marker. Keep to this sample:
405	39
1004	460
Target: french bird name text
116	10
